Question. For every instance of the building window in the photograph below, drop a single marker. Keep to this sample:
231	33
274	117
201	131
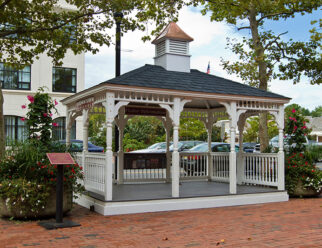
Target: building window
15	79
59	132
15	129
64	79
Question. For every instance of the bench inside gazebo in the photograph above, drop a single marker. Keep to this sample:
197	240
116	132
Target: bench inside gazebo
170	90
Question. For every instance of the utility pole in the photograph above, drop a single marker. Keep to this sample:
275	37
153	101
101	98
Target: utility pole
117	16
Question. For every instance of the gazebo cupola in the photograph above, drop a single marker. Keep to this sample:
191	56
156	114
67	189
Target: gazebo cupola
172	49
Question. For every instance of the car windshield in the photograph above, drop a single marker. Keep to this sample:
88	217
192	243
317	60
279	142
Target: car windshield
77	145
275	139
179	146
154	146
200	148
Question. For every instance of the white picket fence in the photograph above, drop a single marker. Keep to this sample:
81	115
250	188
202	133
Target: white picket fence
93	171
260	168
193	165
220	163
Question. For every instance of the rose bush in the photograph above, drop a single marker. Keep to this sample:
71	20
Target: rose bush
301	175
27	179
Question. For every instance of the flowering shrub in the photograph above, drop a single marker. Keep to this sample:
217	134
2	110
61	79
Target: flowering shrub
26	177
28	169
298	168
297	130
39	117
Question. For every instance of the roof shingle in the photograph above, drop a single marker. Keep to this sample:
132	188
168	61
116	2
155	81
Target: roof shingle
154	76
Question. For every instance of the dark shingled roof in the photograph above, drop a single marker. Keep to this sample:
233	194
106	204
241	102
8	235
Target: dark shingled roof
154	76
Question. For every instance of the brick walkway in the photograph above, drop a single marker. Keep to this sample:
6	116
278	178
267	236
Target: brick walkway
297	223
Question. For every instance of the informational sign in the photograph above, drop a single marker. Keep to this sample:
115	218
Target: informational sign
147	111
85	104
60	158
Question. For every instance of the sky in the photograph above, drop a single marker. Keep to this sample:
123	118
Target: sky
209	45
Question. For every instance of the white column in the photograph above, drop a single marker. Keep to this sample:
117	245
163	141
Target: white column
85	137
121	126
232	155
175	153
168	153
69	123
109	107
209	125
85	129
281	163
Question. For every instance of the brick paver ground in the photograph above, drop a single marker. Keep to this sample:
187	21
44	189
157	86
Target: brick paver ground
297	223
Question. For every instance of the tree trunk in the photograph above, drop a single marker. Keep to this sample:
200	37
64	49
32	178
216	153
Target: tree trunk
262	74
2	134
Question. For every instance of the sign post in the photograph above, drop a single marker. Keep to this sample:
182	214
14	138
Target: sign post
59	159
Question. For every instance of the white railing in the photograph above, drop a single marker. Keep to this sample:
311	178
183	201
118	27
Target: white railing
193	165
93	168
260	168
220	163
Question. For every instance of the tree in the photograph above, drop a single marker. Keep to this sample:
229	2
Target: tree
288	110
32	27
264	55
317	112
251	134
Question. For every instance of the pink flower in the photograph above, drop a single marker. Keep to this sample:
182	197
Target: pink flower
304	127
23	106
55	124
56	103
295	127
293	110
31	99
22	119
291	118
45	114
50	114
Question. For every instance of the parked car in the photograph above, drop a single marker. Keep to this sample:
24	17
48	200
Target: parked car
197	163
274	143
161	147
186	145
77	146
155	148
249	147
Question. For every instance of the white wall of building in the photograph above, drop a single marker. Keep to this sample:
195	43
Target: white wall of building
41	75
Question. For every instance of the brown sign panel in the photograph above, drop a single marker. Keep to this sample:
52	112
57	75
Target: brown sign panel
145	111
60	158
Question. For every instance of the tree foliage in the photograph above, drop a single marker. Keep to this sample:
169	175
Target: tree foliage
288	110
252	131
43	26
29	28
317	112
264	55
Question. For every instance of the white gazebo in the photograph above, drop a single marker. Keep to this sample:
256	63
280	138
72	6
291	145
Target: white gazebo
170	90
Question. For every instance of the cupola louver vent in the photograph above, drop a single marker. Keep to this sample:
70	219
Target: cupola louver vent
178	47
161	48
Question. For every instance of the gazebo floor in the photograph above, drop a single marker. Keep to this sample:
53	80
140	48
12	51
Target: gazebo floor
153	197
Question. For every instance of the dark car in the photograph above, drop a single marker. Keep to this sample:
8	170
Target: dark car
186	145
77	146
249	147
197	163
